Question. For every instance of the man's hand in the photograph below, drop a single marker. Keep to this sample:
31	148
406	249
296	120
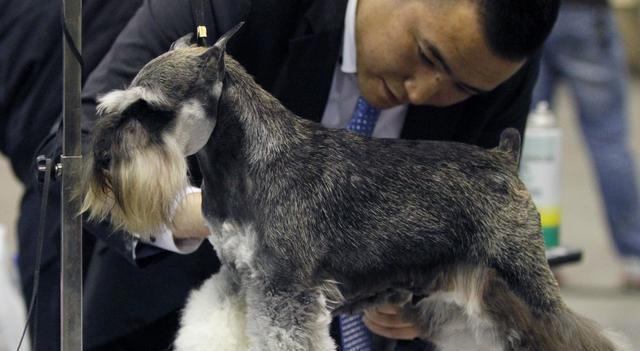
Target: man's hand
188	222
385	321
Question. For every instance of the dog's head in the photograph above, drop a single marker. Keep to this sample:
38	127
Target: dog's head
137	166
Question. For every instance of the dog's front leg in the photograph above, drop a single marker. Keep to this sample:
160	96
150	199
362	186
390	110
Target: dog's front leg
215	316
285	319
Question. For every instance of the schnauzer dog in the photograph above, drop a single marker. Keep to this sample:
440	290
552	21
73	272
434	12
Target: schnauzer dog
311	222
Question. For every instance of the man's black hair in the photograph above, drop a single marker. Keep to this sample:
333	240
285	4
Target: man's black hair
515	29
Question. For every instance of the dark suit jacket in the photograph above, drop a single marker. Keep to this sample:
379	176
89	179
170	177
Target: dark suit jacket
291	47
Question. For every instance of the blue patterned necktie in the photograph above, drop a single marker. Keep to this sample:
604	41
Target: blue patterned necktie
364	118
354	334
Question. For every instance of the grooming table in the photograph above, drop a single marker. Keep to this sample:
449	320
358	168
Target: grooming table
561	255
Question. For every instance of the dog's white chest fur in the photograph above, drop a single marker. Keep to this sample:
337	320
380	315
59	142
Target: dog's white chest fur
215	316
235	244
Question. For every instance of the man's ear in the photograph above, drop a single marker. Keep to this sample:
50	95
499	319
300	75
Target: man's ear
182	43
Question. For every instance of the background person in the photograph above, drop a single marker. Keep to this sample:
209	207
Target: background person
585	50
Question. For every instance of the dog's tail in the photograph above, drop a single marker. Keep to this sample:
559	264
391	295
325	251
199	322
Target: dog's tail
574	332
525	296
510	143
541	321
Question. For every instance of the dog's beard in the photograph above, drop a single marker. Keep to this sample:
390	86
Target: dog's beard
139	190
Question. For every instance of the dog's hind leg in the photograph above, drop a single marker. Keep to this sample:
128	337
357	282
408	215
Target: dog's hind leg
284	319
453	314
475	308
436	317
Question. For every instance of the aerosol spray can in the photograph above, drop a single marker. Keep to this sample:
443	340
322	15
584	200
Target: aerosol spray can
540	168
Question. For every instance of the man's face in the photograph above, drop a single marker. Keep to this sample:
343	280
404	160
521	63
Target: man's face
424	52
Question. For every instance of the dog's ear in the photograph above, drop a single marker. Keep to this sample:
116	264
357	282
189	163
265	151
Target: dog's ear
182	43
214	56
222	41
510	143
212	74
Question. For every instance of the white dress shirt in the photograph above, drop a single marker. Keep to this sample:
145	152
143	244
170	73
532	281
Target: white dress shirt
345	92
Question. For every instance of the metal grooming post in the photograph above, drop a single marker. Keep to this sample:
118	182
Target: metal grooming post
71	265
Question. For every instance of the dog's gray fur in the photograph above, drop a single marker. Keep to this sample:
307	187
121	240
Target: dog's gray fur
314	220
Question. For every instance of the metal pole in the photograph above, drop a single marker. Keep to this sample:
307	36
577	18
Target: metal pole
71	264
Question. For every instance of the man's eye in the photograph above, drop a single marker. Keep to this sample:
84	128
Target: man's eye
425	59
464	91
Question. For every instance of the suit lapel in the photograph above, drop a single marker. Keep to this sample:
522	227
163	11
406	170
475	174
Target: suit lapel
304	81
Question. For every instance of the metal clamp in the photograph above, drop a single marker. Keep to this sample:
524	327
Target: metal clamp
41	164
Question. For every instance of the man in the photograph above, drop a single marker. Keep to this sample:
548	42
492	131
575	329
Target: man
438	69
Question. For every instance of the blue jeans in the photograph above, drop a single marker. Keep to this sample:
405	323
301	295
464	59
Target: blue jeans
586	52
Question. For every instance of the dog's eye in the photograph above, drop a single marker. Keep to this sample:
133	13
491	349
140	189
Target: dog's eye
103	160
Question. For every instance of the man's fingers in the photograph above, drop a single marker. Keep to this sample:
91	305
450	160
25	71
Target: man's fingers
387	309
385	321
397	332
387	318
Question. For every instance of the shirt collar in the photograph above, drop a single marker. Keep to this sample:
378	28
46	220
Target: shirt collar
349	39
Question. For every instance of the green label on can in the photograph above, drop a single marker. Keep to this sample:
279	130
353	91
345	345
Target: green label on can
551	236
